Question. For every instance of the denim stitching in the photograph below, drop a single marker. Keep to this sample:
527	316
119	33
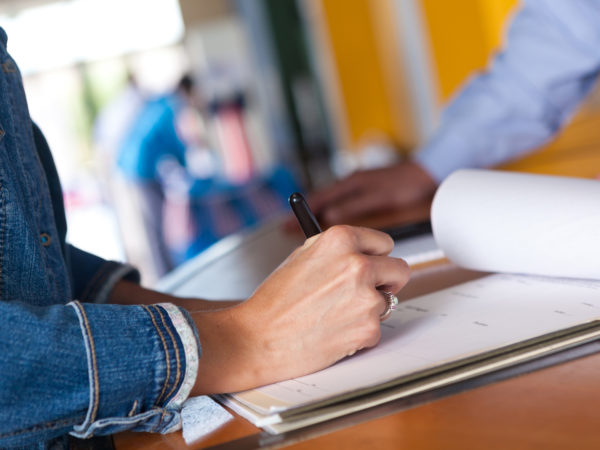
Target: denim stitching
9	67
160	421
103	423
15	107
92	363
176	347
166	349
133	408
2	226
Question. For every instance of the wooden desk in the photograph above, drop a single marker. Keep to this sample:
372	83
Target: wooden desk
555	407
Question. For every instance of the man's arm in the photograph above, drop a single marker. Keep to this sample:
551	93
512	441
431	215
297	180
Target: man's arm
550	63
532	88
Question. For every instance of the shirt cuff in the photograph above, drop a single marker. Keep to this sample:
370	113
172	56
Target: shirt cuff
445	153
113	272
142	365
94	278
191	345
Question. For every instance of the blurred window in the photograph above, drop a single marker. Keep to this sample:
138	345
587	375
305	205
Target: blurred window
68	32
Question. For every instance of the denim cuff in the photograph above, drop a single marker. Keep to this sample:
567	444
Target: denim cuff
111	272
186	329
94	277
142	364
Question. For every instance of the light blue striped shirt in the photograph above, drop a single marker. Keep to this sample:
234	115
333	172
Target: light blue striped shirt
550	63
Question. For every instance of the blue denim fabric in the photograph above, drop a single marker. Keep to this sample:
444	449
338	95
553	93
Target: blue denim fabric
67	366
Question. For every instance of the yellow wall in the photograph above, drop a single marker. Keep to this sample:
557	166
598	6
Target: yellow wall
362	41
462	36
364	94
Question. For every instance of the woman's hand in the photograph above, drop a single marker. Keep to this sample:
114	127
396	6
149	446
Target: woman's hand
320	305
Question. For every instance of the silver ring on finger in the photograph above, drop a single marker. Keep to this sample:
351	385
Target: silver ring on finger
391	301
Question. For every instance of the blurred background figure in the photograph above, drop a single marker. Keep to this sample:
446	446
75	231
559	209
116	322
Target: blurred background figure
111	126
150	155
294	94
115	118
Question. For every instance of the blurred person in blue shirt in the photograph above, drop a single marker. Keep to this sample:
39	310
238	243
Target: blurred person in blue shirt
150	149
550	63
185	200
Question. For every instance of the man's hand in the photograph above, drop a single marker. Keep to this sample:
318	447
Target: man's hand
319	306
372	191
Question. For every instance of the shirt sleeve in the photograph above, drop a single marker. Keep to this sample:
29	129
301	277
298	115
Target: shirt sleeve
93	278
100	368
549	65
144	389
89	369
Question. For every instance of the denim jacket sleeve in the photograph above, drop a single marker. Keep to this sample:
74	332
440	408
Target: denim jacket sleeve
93	277
163	336
90	369
68	362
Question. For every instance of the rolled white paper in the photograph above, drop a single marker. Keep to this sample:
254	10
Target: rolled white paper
522	223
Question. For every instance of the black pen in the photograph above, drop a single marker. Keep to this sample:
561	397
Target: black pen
305	216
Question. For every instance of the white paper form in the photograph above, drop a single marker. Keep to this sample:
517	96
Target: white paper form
417	249
496	221
441	327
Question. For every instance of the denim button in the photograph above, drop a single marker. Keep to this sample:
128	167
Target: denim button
9	67
46	239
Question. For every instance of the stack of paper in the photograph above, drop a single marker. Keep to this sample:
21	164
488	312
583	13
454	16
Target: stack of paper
434	340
